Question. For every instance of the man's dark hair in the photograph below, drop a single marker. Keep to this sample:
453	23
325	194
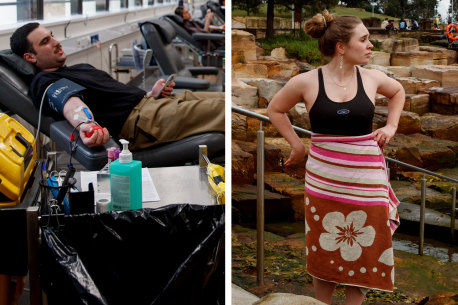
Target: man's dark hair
179	11
19	43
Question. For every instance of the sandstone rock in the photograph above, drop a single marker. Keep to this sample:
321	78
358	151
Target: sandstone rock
408	123
276	206
244	94
419	104
411	192
290	187
443	100
243	170
299	116
440	126
272	154
256	22
259	51
396	44
446	75
400	71
250	70
414	85
380	68
238	56
304	66
244	41
253	126
287	299
380	58
451	54
296	171
267	88
239	126
418	58
278	53
238	23
423	151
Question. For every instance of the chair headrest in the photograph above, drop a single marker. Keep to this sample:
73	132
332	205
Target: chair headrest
165	29
176	18
17	63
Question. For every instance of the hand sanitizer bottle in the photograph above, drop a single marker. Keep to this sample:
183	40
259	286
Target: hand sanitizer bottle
126	181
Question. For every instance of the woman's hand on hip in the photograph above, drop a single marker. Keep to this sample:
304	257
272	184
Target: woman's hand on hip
383	135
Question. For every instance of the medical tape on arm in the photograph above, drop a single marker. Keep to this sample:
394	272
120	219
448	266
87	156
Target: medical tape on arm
59	93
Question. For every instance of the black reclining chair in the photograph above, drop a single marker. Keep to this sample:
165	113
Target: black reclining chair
15	75
199	43
158	35
218	15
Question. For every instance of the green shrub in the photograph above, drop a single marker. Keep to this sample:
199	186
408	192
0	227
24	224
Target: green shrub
300	46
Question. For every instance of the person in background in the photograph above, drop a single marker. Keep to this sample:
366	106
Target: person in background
350	208
402	24
193	26
437	20
414	24
384	23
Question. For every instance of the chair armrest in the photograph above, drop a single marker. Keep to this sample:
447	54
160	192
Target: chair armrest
203	71
208	36
92	158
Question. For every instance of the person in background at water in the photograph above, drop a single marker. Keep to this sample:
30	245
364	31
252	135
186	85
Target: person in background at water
350	208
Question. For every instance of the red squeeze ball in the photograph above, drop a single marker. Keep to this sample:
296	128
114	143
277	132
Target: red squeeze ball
94	128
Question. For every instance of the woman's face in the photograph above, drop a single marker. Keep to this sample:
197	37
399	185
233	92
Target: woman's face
358	50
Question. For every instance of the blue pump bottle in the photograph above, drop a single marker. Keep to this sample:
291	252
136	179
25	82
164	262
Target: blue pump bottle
126	181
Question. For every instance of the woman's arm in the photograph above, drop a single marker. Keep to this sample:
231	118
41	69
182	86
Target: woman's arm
282	102
393	90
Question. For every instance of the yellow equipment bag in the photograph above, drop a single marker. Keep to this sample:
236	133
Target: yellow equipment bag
215	174
17	160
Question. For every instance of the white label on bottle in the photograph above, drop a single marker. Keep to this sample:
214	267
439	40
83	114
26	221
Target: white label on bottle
120	192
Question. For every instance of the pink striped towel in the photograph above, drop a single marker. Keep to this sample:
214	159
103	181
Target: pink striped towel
350	212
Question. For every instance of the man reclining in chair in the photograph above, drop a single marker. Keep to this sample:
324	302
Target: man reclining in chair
81	91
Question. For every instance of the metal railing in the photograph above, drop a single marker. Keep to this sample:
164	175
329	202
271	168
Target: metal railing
260	190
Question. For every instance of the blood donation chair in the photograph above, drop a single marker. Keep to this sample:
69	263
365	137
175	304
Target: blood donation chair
15	76
199	43
159	35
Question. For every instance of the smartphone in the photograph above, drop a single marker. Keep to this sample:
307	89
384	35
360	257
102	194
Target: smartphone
167	82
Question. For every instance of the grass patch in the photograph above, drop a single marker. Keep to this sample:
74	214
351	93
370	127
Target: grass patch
300	46
347	11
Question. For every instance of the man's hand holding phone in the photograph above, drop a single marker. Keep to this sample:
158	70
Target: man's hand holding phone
163	87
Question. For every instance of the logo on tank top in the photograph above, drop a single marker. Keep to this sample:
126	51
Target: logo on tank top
343	111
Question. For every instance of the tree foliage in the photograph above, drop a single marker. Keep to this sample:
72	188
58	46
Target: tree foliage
250	6
417	9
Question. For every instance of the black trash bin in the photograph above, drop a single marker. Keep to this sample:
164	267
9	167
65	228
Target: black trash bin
169	255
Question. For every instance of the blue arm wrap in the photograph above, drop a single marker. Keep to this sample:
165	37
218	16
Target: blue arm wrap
60	92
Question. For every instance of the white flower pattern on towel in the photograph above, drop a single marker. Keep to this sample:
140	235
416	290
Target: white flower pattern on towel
349	235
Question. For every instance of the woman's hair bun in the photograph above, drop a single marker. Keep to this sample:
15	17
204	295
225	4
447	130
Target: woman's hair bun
317	25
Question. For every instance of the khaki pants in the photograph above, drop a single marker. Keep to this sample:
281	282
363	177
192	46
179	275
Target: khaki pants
156	121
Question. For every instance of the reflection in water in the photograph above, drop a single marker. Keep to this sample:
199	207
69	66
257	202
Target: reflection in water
442	251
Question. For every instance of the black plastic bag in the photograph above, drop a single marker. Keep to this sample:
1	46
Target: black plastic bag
170	255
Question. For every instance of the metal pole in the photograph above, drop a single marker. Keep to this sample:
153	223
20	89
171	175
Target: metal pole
422	215
260	206
452	218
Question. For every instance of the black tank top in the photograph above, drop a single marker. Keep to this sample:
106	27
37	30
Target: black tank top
352	118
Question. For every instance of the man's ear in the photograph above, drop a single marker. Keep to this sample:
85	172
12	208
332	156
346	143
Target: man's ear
30	57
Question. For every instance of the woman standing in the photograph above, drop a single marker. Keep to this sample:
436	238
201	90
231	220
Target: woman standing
350	209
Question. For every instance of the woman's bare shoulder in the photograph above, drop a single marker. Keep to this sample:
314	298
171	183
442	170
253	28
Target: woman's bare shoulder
305	78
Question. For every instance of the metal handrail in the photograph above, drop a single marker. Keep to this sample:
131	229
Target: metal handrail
308	132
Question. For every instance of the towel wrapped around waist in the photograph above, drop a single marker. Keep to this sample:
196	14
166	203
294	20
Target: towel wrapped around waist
350	212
